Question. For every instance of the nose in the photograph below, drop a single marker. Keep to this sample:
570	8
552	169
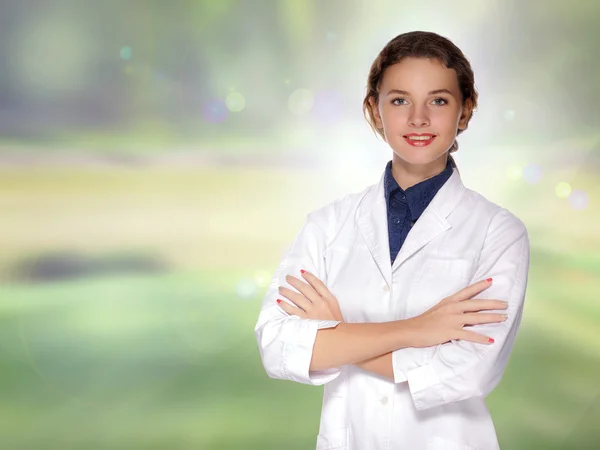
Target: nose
418	117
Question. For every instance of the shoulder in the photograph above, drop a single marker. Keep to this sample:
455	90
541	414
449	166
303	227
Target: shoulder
500	221
338	211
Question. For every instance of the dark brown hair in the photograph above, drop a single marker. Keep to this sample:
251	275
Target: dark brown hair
421	44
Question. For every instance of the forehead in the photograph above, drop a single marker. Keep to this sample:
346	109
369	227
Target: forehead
416	75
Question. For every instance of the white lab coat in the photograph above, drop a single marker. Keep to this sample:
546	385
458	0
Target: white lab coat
437	400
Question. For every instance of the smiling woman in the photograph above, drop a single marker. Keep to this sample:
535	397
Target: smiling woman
442	95
404	299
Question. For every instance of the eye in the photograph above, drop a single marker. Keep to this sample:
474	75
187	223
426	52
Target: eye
441	99
396	100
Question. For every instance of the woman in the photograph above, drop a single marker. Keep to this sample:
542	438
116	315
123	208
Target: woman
378	285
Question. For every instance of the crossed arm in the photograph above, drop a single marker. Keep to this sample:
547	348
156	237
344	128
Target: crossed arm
380	365
439	374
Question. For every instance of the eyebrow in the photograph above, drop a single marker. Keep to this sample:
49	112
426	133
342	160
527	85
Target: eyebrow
437	91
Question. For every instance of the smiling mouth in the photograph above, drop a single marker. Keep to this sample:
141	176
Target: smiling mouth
419	140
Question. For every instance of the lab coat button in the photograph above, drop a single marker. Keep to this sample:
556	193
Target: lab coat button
386	288
383	400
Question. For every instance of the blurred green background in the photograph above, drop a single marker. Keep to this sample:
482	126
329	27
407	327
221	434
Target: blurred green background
157	158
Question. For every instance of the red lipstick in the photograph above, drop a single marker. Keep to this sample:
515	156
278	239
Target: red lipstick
419	139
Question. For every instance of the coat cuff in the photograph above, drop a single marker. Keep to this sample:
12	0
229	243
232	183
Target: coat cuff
409	358
299	337
425	387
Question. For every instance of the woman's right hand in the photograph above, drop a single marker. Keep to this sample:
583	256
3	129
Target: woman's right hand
444	322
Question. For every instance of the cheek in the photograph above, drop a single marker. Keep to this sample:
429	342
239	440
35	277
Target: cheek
392	117
445	120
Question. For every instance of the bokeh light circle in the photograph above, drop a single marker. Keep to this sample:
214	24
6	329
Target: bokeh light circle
578	199
301	101
514	172
126	53
235	101
246	289
562	189
532	173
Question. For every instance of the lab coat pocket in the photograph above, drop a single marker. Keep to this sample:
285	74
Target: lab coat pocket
333	428
439	443
333	411
438	278
337	439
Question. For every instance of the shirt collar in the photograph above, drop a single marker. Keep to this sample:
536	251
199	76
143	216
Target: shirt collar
419	195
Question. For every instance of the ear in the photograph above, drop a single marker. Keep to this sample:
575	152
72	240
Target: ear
376	115
467	110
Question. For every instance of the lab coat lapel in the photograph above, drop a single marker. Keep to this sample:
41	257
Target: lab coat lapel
373	225
433	221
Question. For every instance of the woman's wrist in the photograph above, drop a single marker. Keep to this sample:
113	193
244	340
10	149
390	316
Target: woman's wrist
408	333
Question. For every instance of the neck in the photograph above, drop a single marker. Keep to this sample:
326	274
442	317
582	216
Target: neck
407	175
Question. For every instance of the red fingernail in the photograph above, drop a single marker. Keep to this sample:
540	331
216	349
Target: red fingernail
489	280
303	271
491	340
278	301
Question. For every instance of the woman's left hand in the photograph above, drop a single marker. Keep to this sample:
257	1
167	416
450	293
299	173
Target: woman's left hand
314	300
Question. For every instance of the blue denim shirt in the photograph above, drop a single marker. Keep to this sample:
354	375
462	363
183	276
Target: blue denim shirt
405	207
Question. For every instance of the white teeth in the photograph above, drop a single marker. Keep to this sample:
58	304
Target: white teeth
419	138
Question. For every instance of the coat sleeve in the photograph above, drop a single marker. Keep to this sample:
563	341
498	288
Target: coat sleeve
285	341
459	370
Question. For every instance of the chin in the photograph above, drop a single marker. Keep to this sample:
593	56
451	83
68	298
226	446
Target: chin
419	156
